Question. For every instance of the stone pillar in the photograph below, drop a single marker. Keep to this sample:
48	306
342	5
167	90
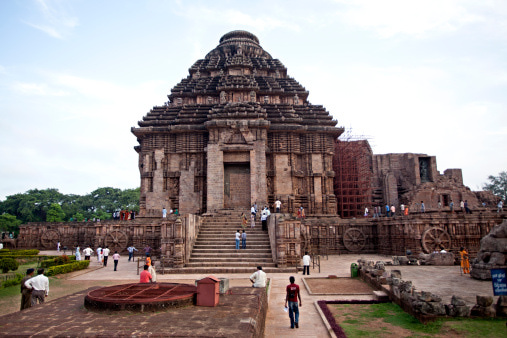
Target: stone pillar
179	245
258	173
215	177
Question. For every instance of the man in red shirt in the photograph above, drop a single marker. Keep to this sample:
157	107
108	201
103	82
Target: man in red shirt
145	276
292	299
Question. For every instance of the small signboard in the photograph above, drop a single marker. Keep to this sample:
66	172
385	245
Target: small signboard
499	279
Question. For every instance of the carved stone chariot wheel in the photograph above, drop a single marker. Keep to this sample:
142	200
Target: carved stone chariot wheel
116	240
50	238
354	239
435	238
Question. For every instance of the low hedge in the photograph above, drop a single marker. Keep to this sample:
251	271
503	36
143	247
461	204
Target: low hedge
14	281
7	264
15	252
60	260
66	268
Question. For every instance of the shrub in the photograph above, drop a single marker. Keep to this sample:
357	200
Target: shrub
66	268
7	264
14	281
15	252
60	260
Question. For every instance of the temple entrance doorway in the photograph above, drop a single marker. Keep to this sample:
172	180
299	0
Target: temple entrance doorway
237	185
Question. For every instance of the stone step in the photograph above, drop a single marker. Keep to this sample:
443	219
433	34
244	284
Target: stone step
238	253
230	259
224	270
252	265
229	245
211	247
266	250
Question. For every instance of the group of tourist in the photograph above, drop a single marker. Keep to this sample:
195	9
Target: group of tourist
164	212
390	210
124	215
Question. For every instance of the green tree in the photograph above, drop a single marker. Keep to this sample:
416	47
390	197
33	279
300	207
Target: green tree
55	213
9	223
497	185
78	217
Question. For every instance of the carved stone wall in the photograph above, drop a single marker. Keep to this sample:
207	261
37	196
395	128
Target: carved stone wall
237	102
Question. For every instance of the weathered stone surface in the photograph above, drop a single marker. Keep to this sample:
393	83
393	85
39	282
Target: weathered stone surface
457	301
437	259
492	254
481	311
501	306
396	274
484	301
457	311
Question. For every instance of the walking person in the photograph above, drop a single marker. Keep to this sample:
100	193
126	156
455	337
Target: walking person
264	218
99	254
131	250
291	301
451	206
39	286
78	253
462	206
147	250
387	210
499	206
277	205
87	253
253	211
252	221
423	208
243	239
244	220
465	262
105	252
116	258
58	246
306	264
164	213
238	237
26	293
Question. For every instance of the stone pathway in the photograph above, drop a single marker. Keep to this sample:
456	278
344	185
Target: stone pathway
441	280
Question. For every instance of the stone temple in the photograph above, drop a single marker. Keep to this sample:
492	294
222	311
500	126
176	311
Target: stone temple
237	130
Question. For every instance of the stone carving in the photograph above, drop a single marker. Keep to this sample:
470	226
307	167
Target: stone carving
493	253
252	96
223	97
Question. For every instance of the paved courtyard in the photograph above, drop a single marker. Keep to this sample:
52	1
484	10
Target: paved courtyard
444	281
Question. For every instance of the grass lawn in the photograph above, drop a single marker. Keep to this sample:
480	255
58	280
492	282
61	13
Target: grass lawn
389	320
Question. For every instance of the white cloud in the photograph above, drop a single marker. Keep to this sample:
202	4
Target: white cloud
235	17
415	18
57	23
37	89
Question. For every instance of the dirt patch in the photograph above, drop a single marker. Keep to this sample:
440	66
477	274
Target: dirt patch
337	286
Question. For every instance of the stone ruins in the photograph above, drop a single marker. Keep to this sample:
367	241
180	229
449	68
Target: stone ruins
239	130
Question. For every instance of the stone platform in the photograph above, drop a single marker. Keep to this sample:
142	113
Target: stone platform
241	313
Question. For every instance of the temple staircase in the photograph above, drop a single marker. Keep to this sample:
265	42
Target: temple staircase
215	251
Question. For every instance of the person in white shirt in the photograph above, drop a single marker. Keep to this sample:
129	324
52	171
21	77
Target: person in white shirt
164	213
306	264
116	258
278	205
105	252
258	278
238	237
99	254
87	253
40	287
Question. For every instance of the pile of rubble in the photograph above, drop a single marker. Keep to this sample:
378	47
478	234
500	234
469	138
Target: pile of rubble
423	304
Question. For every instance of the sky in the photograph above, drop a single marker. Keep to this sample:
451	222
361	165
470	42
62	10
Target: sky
410	76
